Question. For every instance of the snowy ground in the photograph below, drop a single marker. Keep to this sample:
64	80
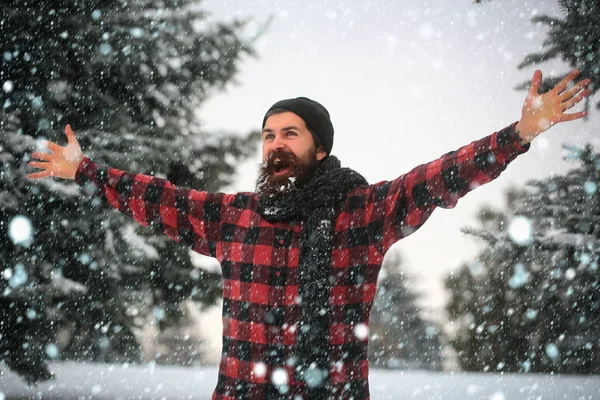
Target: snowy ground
100	381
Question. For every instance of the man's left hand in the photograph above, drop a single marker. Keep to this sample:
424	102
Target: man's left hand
542	111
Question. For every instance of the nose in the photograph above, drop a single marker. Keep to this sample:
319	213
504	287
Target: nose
278	142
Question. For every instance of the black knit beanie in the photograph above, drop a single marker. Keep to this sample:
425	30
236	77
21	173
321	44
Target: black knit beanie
314	115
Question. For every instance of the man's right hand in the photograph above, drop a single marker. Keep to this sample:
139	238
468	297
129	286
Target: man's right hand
64	161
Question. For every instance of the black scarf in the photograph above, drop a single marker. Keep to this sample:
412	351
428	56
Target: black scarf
317	202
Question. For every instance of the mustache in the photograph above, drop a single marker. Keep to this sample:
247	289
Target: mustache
278	159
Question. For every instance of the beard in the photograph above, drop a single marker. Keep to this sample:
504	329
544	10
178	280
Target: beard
282	173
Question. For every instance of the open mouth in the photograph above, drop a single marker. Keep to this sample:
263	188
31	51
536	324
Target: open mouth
280	168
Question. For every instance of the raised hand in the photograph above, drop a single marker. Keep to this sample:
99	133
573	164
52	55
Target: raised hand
541	112
64	161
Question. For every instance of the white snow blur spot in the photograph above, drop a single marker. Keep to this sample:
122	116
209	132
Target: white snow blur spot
570	274
537	103
392	41
361	331
159	313
475	268
31	313
260	369
520	231
279	376
52	350
8	86
542	142
105	49
314	376
20	231
96	14
472	389
507	55
19	277
437	63
96	389
136	32
520	277
544	124
330	14
37	102
426	31
471	18
552	350
590	188
7	273
531	314
497	396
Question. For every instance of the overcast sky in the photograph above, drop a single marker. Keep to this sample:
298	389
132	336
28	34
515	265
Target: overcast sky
404	82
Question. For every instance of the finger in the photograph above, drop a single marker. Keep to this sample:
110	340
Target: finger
40	165
41	156
70	135
536	81
567	94
36	175
53	147
563	84
571	102
571	117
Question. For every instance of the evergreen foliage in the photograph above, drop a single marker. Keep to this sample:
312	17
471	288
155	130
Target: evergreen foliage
575	39
530	302
78	279
399	338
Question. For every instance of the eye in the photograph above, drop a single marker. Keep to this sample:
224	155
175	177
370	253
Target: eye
292	133
268	136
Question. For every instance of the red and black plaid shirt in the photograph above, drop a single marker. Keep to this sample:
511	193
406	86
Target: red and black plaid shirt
259	259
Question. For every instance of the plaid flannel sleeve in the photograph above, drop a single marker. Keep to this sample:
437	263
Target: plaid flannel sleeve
187	216
396	209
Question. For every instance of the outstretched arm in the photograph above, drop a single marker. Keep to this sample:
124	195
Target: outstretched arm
187	216
397	208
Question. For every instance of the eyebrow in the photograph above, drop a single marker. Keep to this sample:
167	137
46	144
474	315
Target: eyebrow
287	128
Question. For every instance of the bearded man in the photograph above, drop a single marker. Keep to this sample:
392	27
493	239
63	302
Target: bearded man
301	255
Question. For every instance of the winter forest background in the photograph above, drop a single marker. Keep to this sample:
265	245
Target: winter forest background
177	89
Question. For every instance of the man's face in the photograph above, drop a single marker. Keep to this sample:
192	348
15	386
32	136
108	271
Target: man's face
289	151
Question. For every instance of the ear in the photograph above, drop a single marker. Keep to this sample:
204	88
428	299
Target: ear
321	153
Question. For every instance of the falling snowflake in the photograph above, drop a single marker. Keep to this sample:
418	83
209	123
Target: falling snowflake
18	277
260	369
361	331
520	231
497	396
279	376
520	277
8	86
52	350
20	231
552	350
314	376
590	188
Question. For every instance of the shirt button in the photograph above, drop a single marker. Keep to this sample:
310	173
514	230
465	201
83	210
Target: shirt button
280	241
277	273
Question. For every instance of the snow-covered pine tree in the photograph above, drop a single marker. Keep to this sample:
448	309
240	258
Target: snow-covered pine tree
575	38
129	76
531	301
399	338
